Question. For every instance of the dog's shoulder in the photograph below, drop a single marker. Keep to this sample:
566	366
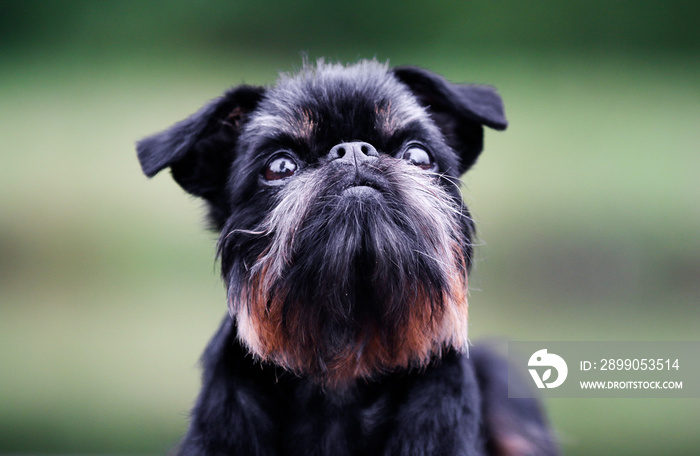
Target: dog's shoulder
512	426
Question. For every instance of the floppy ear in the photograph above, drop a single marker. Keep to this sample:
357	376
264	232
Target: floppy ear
199	150
459	110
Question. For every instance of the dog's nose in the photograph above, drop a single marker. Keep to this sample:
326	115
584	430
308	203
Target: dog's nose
353	152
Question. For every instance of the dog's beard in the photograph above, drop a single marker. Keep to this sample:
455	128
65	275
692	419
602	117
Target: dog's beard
352	280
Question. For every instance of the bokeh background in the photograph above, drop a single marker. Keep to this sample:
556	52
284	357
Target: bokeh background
588	205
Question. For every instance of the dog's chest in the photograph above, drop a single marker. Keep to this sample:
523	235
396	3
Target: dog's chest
320	425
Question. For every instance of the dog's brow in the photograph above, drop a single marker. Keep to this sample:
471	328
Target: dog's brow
301	126
304	125
395	115
385	120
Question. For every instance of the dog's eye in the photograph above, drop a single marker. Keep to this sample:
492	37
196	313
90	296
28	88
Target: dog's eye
419	157
279	167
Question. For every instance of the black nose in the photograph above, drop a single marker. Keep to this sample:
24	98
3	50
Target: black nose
353	152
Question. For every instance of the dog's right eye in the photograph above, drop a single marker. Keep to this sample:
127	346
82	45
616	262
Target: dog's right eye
279	167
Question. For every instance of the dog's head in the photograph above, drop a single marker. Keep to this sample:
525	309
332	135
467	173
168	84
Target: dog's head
345	244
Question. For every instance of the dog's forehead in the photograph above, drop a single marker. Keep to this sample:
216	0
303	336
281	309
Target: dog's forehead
334	103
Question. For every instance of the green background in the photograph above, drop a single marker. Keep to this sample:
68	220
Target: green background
588	205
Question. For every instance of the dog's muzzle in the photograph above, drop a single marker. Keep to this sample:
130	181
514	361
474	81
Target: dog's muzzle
364	270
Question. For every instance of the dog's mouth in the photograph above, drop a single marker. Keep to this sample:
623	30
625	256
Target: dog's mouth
361	190
364	184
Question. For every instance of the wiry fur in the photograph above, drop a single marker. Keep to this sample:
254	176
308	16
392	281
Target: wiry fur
379	302
347	279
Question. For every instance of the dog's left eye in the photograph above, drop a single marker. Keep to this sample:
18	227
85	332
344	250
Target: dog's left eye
419	157
279	167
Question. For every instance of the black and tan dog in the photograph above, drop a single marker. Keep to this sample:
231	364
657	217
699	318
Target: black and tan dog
345	248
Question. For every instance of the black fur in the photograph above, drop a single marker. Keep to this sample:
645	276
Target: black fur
347	278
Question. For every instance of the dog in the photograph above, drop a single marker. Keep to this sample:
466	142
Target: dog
345	248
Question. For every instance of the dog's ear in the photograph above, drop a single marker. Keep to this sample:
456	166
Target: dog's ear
199	150
459	110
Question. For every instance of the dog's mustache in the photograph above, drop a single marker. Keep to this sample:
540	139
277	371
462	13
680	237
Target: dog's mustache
413	199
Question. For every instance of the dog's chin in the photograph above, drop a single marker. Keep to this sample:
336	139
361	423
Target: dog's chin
355	280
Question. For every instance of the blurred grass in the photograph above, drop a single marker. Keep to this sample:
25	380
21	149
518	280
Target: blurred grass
588	207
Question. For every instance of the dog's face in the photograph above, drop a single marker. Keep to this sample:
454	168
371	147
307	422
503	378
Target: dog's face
344	242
